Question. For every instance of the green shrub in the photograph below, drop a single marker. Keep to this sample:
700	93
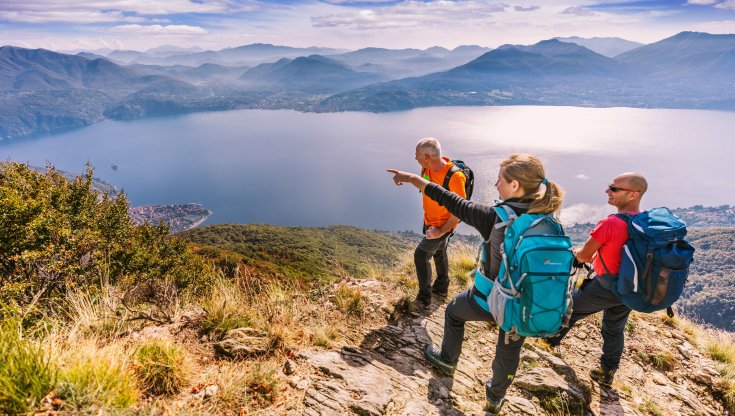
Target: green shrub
60	235
160	368
96	379
26	373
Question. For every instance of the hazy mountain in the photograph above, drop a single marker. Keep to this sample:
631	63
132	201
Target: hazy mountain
686	55
511	74
167	50
201	73
247	55
38	69
609	47
314	73
398	63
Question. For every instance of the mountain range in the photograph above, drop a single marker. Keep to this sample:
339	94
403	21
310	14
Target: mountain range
43	91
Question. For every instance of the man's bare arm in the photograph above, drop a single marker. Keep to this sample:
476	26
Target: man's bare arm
588	250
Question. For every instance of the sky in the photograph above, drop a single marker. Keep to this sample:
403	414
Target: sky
68	25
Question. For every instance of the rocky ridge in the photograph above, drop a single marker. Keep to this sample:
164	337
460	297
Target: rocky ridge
385	373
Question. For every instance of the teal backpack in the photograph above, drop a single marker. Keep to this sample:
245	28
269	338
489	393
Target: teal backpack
532	295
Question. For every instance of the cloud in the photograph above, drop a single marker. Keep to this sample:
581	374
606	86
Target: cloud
702	2
58	16
412	14
104	11
582	176
726	5
159	29
578	11
526	9
584	213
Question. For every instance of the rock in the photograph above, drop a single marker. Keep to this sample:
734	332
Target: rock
244	342
582	335
303	384
659	379
703	379
289	367
443	393
366	386
546	384
519	406
206	392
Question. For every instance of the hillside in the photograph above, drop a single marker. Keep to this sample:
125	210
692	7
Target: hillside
104	317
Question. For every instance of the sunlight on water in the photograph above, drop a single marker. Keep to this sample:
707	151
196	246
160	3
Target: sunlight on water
290	168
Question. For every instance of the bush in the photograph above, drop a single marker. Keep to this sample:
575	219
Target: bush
60	235
26	373
96	379
160	368
349	299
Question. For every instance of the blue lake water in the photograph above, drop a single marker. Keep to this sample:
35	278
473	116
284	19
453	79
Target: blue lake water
291	168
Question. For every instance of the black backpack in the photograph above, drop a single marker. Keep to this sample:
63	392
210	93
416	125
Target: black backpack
460	166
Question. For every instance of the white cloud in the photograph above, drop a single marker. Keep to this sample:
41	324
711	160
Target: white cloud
578	11
526	9
583	213
726	5
59	16
702	2
582	176
412	13
159	29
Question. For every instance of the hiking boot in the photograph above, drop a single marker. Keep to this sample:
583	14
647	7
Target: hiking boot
439	292
434	356
420	304
493	407
602	376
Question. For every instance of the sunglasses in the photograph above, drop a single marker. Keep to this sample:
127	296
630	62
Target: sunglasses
614	188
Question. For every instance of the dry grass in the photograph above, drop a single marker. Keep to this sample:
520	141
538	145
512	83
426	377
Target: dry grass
461	264
226	308
97	315
349	299
94	379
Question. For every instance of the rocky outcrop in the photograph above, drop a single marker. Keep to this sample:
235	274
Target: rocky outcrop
387	375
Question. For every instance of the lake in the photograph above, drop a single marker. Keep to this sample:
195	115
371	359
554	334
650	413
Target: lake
291	168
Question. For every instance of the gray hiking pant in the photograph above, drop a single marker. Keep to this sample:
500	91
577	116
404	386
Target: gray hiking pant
464	308
427	249
593	298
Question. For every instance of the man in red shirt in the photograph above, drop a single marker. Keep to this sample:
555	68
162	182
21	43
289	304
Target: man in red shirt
604	249
438	222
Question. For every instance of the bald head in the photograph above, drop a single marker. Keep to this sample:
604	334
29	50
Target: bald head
633	180
429	146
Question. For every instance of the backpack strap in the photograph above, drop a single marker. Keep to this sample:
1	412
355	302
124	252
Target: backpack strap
452	170
505	213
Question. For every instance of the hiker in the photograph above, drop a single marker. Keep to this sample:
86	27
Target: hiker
519	186
439	224
604	249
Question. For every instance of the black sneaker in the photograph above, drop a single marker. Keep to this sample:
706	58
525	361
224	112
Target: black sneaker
434	356
493	407
602	376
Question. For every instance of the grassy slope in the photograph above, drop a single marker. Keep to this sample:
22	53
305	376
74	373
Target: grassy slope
301	253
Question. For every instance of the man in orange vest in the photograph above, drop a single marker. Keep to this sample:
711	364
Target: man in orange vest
439	224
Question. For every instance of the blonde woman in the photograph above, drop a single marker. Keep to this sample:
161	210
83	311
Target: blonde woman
522	186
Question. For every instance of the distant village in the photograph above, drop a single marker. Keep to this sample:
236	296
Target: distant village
177	217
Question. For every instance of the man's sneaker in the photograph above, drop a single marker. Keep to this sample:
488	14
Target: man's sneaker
434	356
420	304
493	407
603	376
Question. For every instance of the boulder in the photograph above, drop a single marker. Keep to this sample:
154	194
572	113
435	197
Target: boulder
553	391
244	342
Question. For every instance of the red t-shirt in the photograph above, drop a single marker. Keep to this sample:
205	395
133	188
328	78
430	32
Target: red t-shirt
612	233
